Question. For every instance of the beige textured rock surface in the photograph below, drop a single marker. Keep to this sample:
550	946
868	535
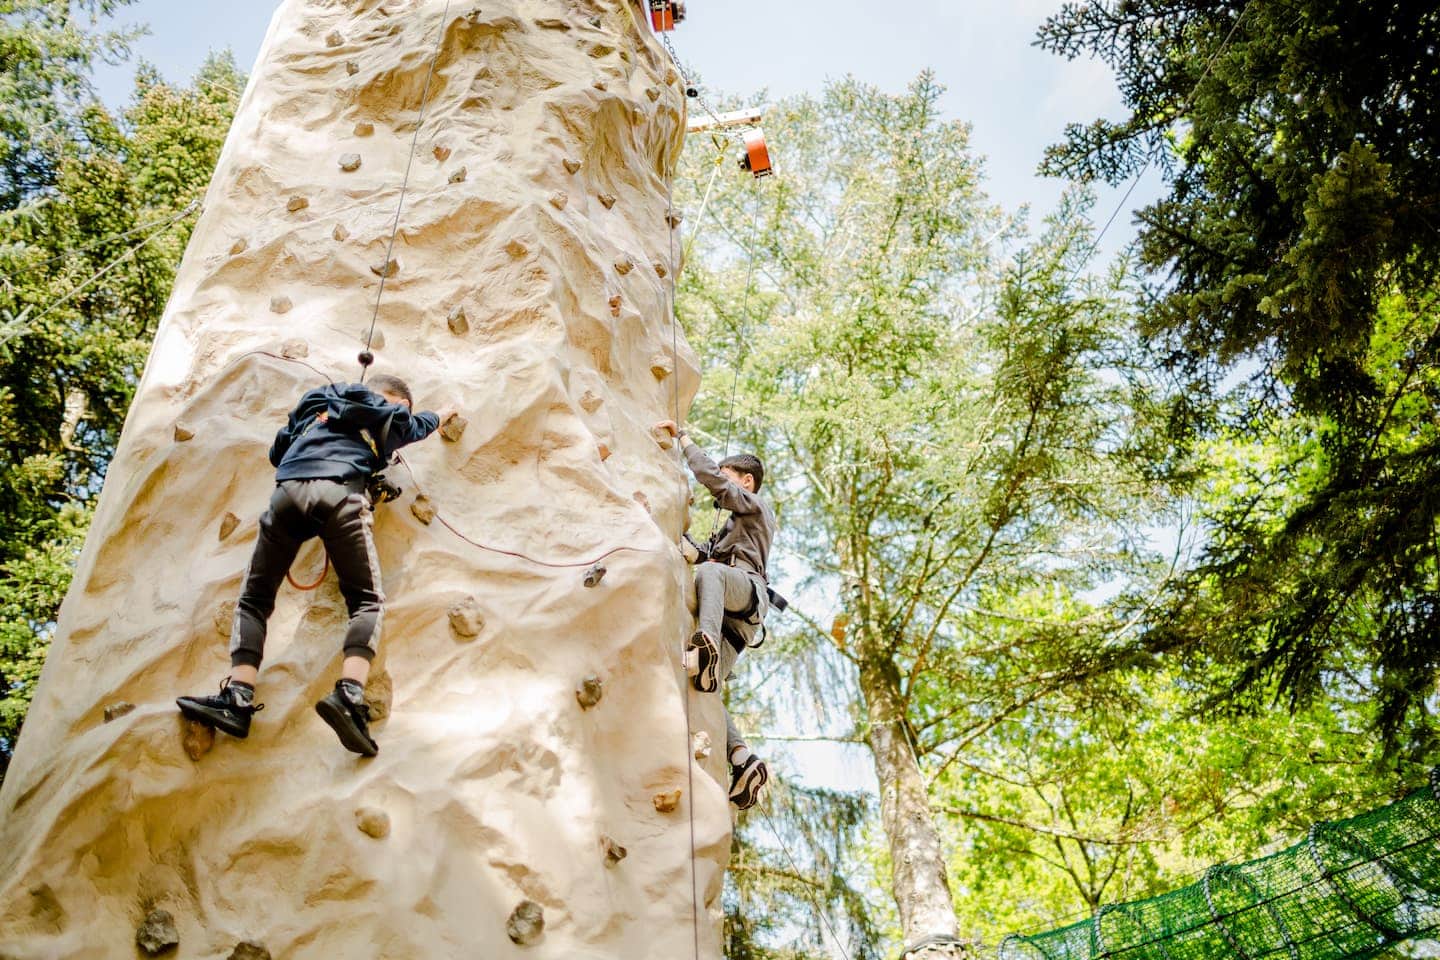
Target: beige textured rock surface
498	787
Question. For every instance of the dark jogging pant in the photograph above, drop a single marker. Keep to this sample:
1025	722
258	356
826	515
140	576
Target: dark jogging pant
337	513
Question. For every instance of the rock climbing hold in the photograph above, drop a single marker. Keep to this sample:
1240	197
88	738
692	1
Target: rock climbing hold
442	152
372	338
364	128
296	204
623	267
653	93
423	509
228	523
453	427
700	743
594	574
661	366
594	22
117	710
334	39
666	802
466	619
457	321
340	233
551	23
183	433
673	217
516	248
590	401
238	247
526	923
157	934
589	692
350	162
639	497
670	75
386	269
598	84
571	166
224	617
372	822
458	176
379	691
366	358
615	305
614	853
558	199
249	950
198	739
351	67
280	304
660	270
608	199
295	348
604	450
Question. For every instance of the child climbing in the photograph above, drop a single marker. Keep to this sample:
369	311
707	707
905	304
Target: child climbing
732	591
337	438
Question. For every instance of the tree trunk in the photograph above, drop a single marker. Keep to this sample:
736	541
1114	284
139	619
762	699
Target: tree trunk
919	882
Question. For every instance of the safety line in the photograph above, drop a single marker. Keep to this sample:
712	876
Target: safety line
704	203
814	901
404	184
684	497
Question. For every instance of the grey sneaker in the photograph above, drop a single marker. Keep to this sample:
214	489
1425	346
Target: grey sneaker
345	709
707	678
746	782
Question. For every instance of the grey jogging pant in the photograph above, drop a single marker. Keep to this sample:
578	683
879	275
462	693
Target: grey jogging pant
300	510
722	591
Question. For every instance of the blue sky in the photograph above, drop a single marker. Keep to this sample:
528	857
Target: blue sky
1017	97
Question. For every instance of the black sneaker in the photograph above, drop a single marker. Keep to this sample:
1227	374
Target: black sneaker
230	712
746	782
707	677
345	709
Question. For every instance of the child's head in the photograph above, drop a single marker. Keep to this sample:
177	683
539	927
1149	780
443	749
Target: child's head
392	388
744	467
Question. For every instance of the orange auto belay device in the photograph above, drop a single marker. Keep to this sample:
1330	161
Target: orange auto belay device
757	157
664	14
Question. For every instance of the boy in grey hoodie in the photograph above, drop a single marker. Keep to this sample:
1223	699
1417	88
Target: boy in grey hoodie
731	589
336	438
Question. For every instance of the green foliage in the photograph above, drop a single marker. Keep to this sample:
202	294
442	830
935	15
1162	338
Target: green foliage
97	211
1296	251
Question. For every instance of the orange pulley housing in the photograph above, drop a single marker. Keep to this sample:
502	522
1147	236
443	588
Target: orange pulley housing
664	14
757	157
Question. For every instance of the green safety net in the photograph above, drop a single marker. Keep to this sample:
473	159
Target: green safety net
1351	889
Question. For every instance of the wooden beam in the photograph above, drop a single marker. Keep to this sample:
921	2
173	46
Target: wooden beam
734	118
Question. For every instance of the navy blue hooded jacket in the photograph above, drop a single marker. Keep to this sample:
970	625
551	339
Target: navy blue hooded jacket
336	432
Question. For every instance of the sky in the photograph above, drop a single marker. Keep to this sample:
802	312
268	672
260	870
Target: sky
1016	97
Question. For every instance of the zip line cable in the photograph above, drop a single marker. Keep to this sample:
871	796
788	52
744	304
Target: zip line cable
104	240
20	325
1150	154
368	357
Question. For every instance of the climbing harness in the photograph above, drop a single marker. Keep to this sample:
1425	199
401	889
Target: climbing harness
367	357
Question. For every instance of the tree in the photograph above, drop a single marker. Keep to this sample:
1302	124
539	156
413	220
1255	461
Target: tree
1296	251
97	213
936	406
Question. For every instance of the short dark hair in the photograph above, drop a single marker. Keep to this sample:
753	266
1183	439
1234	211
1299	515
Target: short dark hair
389	383
747	463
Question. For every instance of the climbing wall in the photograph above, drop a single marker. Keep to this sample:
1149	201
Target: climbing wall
534	795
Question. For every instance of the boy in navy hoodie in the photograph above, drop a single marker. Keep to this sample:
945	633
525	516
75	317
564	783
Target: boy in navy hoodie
337	437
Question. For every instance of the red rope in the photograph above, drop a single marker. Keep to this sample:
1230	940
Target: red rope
318	580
